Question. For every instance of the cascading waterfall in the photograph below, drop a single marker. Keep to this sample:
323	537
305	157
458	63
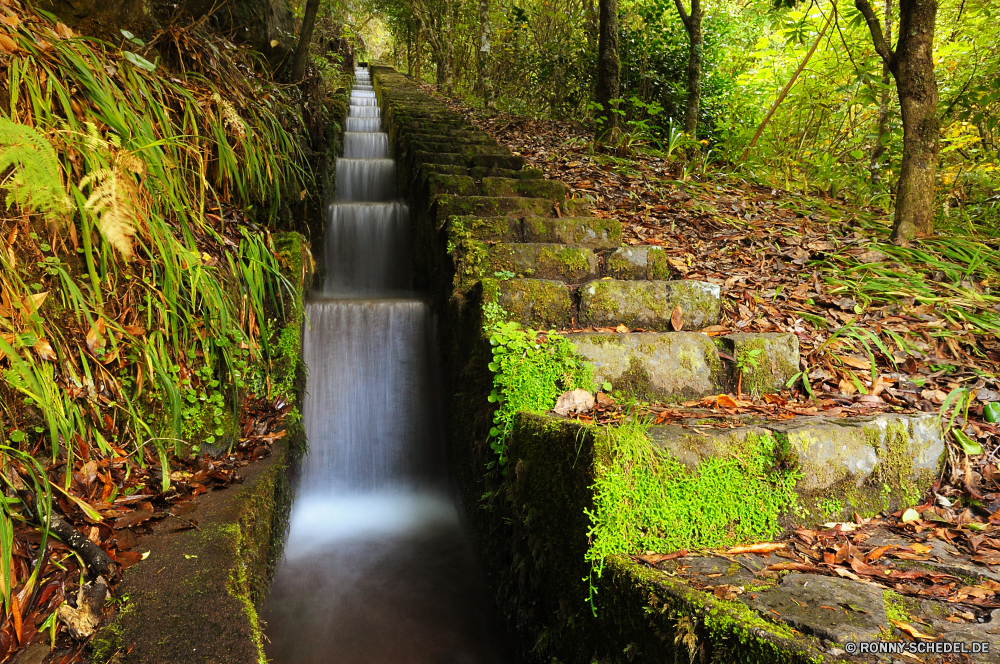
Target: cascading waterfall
376	567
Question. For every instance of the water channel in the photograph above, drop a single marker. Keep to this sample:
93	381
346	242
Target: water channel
376	568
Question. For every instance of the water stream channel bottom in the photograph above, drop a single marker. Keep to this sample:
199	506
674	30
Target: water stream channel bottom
376	568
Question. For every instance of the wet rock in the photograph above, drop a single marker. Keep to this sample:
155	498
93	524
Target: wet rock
649	304
839	610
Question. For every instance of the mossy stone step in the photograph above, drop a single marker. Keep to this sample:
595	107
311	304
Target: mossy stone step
537	303
460	185
683	365
649	304
480	172
446	205
485	229
463	136
467	149
425	157
551	189
591	232
866	465
638	262
557	262
447	169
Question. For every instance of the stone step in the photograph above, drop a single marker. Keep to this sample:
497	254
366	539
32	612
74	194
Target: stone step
658	366
443	206
649	304
638	262
591	232
475	259
496	186
463	136
867	465
480	172
536	303
588	232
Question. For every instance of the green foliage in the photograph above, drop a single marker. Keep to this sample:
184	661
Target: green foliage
36	178
645	499
531	369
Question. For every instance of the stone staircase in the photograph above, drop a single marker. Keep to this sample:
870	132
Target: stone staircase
493	236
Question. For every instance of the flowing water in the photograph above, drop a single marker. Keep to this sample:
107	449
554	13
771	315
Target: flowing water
376	568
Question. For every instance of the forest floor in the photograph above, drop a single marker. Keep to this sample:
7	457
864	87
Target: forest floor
881	328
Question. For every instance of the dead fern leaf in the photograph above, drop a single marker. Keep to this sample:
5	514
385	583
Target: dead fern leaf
112	200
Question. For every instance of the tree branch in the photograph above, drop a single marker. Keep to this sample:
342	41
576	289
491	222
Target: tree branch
875	27
685	17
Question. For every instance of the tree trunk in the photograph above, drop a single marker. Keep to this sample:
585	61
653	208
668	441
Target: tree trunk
875	167
305	36
692	23
419	54
485	29
449	48
912	65
608	66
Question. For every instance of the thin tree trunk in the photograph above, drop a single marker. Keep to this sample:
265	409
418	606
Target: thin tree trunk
608	66
912	65
485	29
449	48
875	168
788	86
419	57
692	23
305	36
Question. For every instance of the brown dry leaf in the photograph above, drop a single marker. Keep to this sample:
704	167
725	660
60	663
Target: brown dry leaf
33	303
795	567
12	21
725	401
879	385
8	45
677	319
875	554
854	362
64	31
775	400
715	330
847	387
727	592
678	264
95	338
911	630
760	547
845	573
653	558
135	330
133	519
44	350
621	329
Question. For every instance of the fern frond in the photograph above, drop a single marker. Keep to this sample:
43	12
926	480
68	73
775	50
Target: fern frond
111	200
36	181
230	117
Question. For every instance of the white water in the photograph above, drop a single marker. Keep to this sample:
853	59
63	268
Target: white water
376	567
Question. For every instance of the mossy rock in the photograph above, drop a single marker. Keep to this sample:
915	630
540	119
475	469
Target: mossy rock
485	229
535	303
649	304
591	232
638	262
459	185
768	360
542	261
551	189
480	172
653	366
447	205
576	207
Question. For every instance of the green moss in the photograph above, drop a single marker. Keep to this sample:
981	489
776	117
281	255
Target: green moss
895	466
657	267
897	607
645	499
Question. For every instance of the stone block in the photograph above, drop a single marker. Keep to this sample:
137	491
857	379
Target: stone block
446	205
551	189
485	229
590	232
649	304
769	360
639	262
507	161
652	366
535	303
867	465
480	172
576	207
440	183
543	261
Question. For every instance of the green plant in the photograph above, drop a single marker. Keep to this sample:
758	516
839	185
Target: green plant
530	370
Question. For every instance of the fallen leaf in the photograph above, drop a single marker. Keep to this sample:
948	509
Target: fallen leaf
64	31
725	401
677	319
911	630
726	592
95	338
653	558
761	547
44	350
8	45
621	329
13	20
133	519
574	401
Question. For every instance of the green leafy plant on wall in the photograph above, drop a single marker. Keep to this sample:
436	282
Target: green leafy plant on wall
531	369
